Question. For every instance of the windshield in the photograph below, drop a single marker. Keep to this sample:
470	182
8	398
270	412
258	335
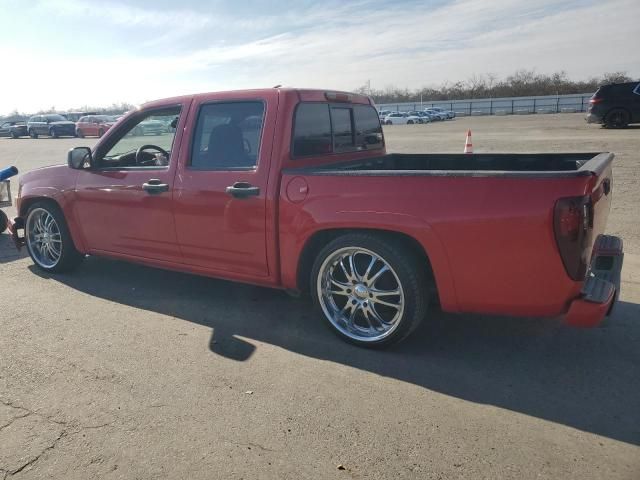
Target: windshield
103	118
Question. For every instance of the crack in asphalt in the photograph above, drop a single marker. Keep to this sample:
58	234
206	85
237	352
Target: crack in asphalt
63	434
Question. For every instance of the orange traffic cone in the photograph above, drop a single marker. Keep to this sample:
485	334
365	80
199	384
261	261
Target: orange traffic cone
468	146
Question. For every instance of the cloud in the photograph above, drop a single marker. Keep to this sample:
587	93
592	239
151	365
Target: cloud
126	15
336	45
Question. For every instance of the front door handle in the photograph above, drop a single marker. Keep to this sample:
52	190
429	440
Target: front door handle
155	186
242	190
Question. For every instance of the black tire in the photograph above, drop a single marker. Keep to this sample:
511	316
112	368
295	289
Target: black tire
70	258
33	133
617	118
4	221
410	122
405	265
53	133
14	135
100	133
79	133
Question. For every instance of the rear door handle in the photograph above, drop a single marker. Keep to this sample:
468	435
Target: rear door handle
242	190
155	186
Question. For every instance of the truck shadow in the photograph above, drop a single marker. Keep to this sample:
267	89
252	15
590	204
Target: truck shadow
585	379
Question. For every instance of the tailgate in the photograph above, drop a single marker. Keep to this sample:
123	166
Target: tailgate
601	192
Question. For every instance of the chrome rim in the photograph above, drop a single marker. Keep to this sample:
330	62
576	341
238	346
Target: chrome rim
360	294
44	238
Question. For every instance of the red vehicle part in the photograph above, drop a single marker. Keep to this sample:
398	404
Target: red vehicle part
510	243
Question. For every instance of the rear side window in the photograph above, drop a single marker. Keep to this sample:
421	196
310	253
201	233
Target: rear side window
321	128
227	136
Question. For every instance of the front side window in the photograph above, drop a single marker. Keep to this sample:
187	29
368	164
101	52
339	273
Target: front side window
637	89
227	136
146	142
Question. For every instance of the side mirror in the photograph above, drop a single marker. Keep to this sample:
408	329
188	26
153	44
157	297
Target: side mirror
78	157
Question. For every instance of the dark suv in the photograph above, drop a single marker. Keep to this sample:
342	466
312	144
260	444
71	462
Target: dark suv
50	124
616	105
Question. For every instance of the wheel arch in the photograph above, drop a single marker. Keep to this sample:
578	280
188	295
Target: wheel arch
317	241
28	202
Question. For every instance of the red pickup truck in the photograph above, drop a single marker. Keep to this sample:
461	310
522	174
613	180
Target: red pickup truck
293	189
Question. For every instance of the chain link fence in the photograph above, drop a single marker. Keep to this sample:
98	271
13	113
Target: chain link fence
501	106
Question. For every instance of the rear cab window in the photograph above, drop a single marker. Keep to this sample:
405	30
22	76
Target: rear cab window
322	128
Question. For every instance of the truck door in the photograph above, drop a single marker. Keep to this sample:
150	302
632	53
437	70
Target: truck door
220	202
124	203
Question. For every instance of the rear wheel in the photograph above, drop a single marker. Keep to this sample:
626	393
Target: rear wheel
100	133
33	134
617	118
53	133
79	133
410	122
48	240
369	289
14	135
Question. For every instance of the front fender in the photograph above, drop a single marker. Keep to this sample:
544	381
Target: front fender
53	184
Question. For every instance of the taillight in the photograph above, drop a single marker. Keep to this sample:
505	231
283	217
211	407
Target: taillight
595	100
572	223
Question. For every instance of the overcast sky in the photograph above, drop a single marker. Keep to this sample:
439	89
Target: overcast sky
69	53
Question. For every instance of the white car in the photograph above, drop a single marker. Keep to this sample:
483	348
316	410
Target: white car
399	118
436	115
448	113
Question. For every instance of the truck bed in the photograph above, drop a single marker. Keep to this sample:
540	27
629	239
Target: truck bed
489	164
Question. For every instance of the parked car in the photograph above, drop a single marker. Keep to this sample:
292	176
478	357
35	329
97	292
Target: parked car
436	115
616	105
150	127
401	118
75	116
52	124
93	125
448	113
13	129
424	116
311	202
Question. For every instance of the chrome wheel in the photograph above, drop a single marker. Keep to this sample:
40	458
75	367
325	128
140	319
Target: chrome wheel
44	239
360	294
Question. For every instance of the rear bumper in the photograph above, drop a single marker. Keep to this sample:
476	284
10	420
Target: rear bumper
593	118
601	288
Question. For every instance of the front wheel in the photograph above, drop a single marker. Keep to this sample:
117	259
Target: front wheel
53	133
48	240
369	288
33	134
14	135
